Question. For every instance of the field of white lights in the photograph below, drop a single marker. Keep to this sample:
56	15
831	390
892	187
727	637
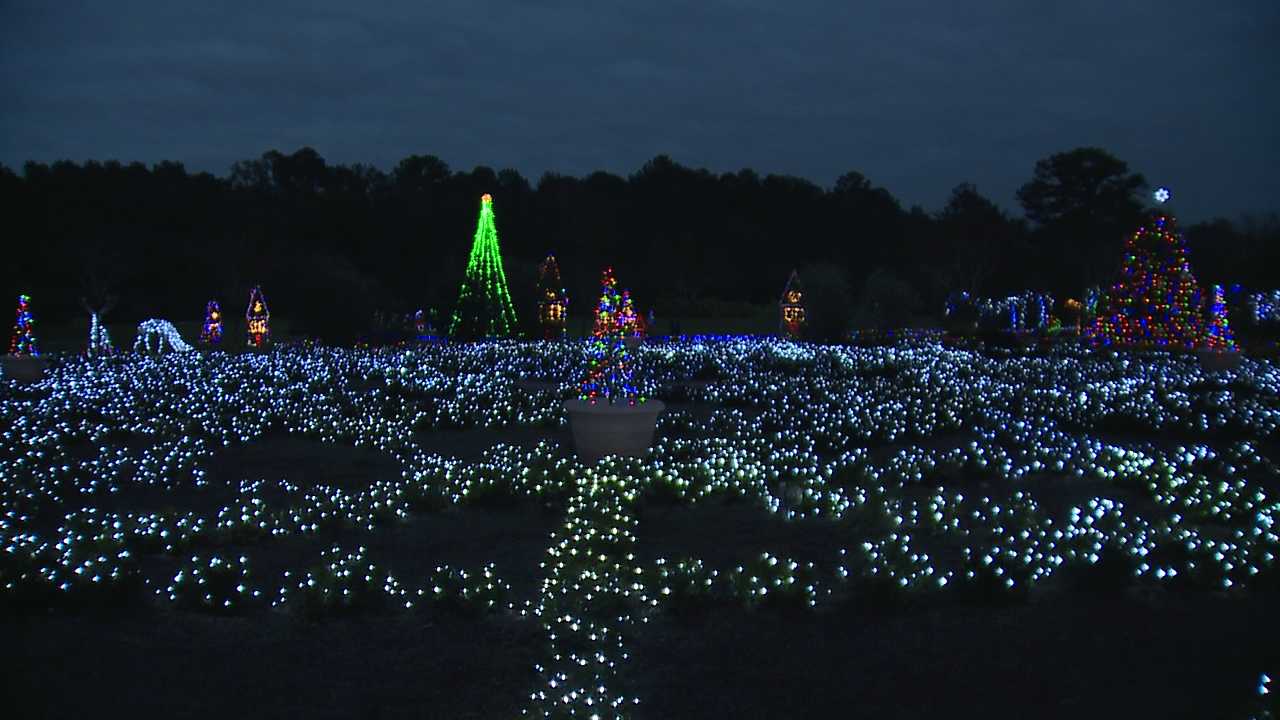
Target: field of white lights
891	531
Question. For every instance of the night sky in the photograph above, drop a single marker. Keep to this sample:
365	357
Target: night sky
917	95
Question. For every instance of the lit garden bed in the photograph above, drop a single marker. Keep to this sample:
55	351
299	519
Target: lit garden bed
794	495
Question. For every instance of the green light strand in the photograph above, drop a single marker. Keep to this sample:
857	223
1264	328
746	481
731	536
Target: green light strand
484	307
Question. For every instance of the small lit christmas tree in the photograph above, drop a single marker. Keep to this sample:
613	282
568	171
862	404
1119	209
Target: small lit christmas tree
23	341
258	319
553	301
606	323
99	340
1156	302
1218	335
484	304
629	322
211	330
610	367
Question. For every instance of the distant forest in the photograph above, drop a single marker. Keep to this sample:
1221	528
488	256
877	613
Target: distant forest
330	244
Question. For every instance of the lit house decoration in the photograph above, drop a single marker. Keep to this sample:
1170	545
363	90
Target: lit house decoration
258	319
553	301
791	307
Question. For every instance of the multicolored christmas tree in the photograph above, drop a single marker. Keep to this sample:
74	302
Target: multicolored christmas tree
630	323
610	366
606	323
211	330
258	319
23	341
553	301
1156	301
1218	335
484	304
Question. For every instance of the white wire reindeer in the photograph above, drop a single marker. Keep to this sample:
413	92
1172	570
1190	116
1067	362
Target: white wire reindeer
158	333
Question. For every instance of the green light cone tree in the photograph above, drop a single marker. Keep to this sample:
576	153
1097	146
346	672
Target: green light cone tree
484	306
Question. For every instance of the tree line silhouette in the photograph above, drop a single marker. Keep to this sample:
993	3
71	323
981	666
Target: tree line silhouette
330	244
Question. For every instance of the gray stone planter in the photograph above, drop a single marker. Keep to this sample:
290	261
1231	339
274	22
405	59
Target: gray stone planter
25	368
1218	360
602	429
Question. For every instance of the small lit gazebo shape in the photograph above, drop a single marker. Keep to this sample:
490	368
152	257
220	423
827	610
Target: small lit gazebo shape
791	307
553	301
258	319
211	330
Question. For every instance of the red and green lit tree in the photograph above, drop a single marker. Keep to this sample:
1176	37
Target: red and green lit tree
1218	335
484	303
553	301
1156	301
23	341
610	367
211	330
629	321
607	309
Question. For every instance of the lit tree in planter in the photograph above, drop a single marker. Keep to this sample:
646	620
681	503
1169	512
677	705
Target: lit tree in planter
23	363
484	304
611	416
258	319
211	330
553	301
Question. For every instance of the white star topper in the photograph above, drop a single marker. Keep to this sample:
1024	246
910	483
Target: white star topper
1162	195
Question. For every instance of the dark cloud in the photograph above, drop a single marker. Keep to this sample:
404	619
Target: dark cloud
917	95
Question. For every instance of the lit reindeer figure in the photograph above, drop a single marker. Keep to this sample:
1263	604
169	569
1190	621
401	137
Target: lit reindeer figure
158	333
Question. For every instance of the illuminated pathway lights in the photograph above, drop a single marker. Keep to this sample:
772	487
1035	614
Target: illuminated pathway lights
910	446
